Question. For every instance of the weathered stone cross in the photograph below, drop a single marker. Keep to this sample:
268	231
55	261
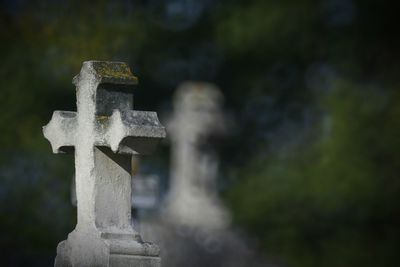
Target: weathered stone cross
104	133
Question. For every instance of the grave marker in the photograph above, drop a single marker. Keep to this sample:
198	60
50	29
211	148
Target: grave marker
103	134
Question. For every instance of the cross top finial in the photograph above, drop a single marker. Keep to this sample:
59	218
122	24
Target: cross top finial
109	85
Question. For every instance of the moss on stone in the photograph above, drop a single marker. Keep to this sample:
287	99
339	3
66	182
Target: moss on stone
114	72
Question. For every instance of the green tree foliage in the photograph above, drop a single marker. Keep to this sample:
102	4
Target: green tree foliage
330	201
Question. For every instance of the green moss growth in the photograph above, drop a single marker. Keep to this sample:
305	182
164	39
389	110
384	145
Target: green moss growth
114	72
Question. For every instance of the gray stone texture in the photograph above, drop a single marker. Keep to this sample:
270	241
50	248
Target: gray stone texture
104	133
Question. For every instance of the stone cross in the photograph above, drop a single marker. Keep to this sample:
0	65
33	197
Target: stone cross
103	134
197	117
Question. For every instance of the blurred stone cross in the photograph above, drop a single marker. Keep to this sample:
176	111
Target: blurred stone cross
103	134
197	120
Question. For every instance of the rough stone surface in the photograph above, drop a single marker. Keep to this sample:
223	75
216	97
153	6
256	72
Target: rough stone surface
104	133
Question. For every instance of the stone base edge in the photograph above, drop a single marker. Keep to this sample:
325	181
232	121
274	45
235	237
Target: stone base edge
122	260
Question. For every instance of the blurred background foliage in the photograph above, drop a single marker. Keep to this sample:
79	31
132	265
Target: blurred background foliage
311	170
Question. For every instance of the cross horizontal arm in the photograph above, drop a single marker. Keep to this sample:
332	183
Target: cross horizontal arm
61	131
133	132
128	132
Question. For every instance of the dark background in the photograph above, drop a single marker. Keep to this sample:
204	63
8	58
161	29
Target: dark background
311	169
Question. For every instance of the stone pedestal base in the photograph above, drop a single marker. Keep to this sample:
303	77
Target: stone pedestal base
134	261
106	250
